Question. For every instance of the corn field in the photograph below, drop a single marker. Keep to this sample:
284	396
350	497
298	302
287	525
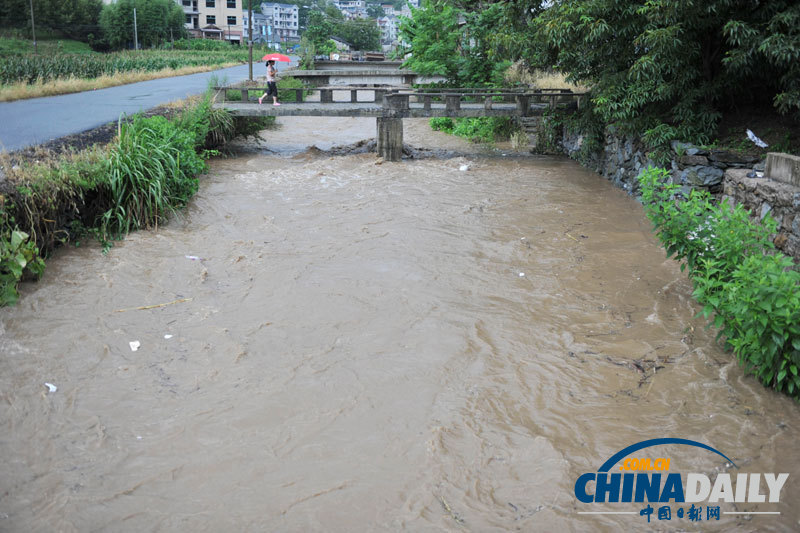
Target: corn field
30	68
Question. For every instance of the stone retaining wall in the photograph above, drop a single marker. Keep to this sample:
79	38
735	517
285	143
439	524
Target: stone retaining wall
724	174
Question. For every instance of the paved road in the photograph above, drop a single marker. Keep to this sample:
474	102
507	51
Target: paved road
29	122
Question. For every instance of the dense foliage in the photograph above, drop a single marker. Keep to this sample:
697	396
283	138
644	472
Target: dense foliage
657	68
475	129
750	290
667	69
77	19
158	21
360	34
465	53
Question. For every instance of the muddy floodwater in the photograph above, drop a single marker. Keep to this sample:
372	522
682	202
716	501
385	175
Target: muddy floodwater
335	343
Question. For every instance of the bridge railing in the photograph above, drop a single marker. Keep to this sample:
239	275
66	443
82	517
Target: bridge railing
401	98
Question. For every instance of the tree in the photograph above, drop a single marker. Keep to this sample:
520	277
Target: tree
434	40
157	21
667	69
318	32
768	44
375	11
72	18
361	34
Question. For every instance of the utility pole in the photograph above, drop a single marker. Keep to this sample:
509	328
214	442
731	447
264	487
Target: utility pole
250	38
135	32
33	29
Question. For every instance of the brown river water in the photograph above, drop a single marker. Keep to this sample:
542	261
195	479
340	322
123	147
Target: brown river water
358	346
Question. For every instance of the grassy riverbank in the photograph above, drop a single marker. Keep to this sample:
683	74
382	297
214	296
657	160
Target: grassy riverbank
148	171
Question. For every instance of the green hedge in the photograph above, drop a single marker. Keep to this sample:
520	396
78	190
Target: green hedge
751	290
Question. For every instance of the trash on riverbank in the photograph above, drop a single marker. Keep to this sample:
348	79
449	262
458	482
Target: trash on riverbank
134	345
194	258
50	387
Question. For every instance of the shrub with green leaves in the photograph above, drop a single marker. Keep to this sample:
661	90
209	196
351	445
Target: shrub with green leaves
476	129
751	292
444	124
17	255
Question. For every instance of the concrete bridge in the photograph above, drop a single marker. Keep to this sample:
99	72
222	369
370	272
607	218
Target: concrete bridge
390	105
345	73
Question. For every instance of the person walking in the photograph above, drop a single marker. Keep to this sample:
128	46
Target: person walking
272	84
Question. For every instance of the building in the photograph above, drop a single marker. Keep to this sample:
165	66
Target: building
388	26
262	26
214	19
352	9
283	22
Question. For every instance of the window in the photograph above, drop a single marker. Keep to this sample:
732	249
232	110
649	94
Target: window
187	3
188	19
211	19
211	3
231	21
231	4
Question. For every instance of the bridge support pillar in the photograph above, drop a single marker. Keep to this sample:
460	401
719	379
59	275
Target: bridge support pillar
390	138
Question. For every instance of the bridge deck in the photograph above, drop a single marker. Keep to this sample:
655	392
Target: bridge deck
371	109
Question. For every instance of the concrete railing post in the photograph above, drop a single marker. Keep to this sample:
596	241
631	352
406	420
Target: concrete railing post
523	104
452	102
326	96
396	102
299	95
379	93
353	96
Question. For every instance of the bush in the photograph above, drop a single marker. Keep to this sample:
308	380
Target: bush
17	255
444	124
478	129
752	292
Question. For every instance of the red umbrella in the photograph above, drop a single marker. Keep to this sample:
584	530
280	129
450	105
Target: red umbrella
276	57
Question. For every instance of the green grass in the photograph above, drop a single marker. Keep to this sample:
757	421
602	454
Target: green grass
10	46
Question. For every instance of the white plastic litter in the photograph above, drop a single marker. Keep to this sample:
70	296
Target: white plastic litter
522	274
758	142
193	258
134	345
51	387
167	336
463	168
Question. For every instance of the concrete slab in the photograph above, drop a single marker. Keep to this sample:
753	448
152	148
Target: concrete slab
784	168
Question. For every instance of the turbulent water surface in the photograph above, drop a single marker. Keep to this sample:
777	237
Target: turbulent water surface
444	343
